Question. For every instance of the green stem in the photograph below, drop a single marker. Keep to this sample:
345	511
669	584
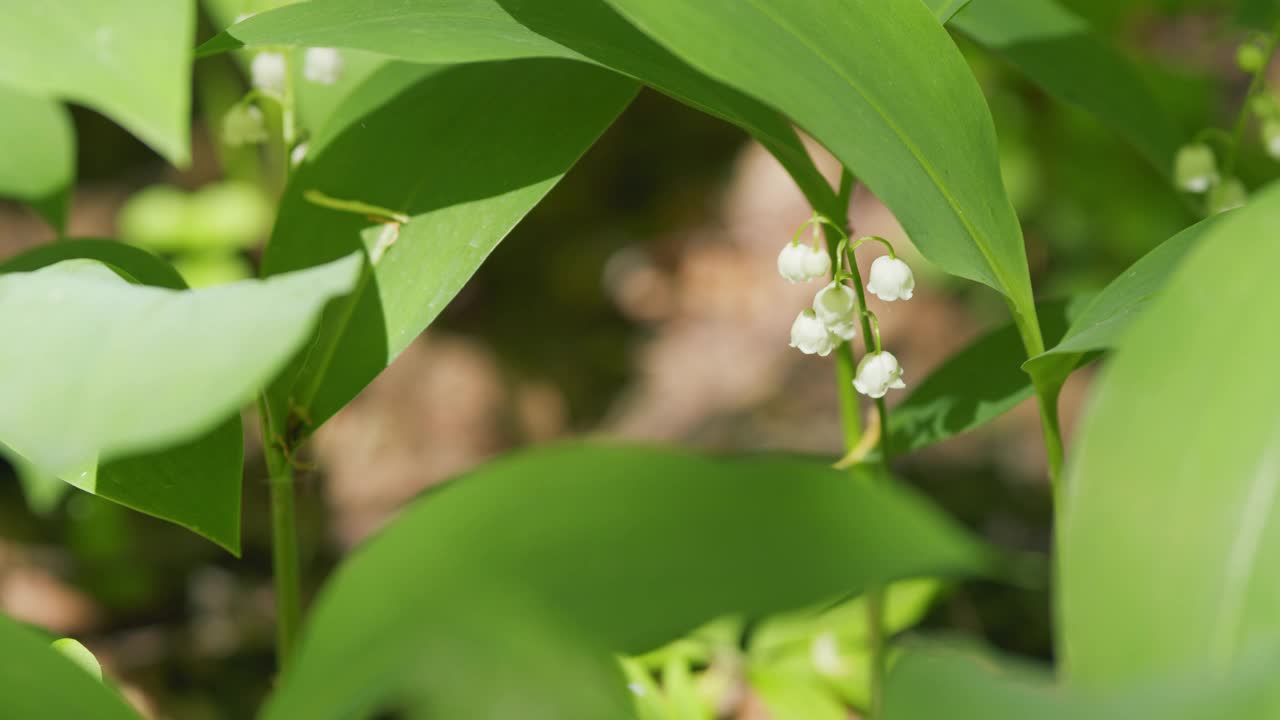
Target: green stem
850	416
284	537
1242	118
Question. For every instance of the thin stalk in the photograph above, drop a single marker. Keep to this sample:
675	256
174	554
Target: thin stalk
1242	119
845	368
285	560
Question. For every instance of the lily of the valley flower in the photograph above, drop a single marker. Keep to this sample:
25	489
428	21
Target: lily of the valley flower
267	72
1271	138
243	125
322	65
810	336
891	279
836	306
1195	169
878	373
799	263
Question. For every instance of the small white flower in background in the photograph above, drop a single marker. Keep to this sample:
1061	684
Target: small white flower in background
810	336
799	263
267	72
1271	138
878	373
824	653
891	279
835	305
322	65
298	155
243	125
1195	169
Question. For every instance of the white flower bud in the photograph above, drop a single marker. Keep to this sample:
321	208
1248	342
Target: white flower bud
267	72
810	336
835	304
243	125
1195	168
1271	138
877	374
298	154
891	279
322	65
799	263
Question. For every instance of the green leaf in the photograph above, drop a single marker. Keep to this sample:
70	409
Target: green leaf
128	262
753	535
944	10
879	83
795	696
40	682
80	655
1168	556
927	684
465	152
128	59
1059	52
147	381
456	31
973	387
38	165
1102	323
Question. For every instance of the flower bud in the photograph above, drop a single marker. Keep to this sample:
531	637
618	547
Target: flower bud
1271	137
243	125
1195	169
267	72
835	304
1250	58
877	374
891	279
1227	195
810	336
799	263
322	65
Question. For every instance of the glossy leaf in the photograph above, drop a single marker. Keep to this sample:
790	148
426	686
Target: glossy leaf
879	83
927	684
40	682
128	59
455	31
38	162
1102	323
753	536
96	370
465	152
1059	52
1168	554
973	387
130	263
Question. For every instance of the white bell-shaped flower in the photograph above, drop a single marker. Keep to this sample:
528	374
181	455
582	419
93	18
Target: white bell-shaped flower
1195	168
298	154
835	304
243	125
891	279
799	263
878	373
810	336
267	72
845	330
322	65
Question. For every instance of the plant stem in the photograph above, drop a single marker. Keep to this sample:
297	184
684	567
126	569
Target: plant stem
285	562
1242	118
849	406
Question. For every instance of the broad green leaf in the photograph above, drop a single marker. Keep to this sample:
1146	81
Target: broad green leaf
128	59
143	380
195	484
795	696
927	684
944	10
1168	554
1059	52
881	85
630	548
1102	323
40	682
973	387
38	165
456	31
465	152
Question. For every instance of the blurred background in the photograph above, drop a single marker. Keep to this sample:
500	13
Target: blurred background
640	301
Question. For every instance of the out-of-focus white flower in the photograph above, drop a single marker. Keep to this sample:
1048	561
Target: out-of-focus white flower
877	374
891	279
1271	138
267	72
824	653
322	65
810	336
298	154
835	304
243	125
799	263
1195	169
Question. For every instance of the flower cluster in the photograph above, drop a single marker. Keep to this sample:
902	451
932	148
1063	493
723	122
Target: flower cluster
835	314
243	123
